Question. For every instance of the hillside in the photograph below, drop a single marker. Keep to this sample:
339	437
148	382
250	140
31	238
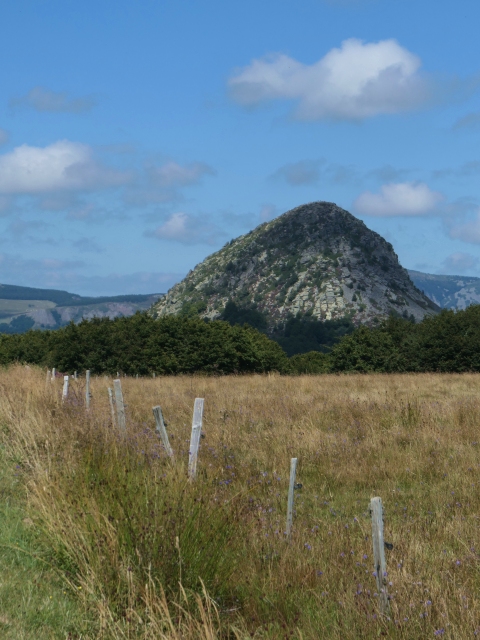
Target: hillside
23	308
316	261
449	292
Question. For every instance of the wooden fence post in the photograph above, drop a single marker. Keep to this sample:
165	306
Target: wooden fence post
122	425
54	373
65	388
161	430
195	437
291	489
87	389
75	376
112	408
376	510
49	374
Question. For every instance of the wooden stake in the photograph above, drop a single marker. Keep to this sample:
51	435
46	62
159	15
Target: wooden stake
54	373
161	430
380	566
195	437
88	395
65	388
75	376
291	489
112	408
122	425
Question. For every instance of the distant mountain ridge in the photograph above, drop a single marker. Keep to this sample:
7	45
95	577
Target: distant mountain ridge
316	260
23	308
449	292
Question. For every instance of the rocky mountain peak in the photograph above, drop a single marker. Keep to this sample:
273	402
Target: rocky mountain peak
316	260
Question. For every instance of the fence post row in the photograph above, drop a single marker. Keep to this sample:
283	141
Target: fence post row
87	389
291	489
195	437
376	510
161	430
112	408
65	388
122	425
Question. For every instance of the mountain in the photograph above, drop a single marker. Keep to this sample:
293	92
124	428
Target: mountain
315	261
449	292
23	308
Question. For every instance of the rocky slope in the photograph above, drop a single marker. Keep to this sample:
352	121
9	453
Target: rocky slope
449	292
317	260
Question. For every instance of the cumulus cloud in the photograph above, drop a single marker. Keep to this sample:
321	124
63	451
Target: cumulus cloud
355	81
173	175
3	136
399	199
187	229
42	99
63	165
460	262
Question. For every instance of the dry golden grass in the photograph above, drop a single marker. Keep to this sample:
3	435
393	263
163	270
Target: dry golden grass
112	507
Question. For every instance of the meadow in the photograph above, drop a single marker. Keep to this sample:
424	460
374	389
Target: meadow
103	536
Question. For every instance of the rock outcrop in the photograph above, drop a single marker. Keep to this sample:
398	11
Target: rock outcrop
316	260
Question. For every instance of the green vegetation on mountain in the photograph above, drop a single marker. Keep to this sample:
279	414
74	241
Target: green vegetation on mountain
316	261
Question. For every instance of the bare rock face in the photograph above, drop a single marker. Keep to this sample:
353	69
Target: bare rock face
316	260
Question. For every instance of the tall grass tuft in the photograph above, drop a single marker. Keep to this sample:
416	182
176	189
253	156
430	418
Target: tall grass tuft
150	554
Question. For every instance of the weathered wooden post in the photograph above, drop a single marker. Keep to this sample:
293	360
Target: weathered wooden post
65	388
376	510
161	430
75	376
87	389
49	373
291	489
195	437
122	425
54	373
112	408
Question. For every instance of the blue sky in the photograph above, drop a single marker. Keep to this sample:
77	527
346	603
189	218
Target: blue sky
137	137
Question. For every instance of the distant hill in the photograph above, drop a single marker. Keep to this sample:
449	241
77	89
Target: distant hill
23	308
449	292
316	261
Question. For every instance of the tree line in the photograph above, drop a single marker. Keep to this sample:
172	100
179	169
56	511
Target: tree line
141	344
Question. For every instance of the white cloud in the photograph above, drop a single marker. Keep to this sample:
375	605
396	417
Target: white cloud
42	99
353	82
460	262
399	199
63	165
468	231
187	229
173	175
3	136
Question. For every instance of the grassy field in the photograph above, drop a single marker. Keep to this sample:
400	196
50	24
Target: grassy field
104	537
